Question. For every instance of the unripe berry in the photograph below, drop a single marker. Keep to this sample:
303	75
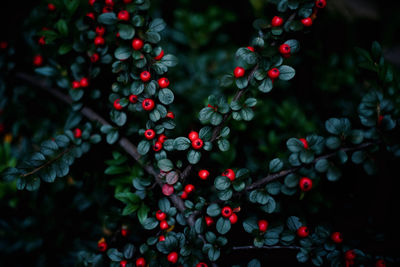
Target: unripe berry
226	212
77	133
276	21
209	220
76	84
320	3
163	82
141	262
102	246
37	60
137	44
161	238
51	6
251	48
160	56
189	188
303	232
380	263
262	225
284	49
162	138
123	15
161	216
94	58
164	225
184	195
305	143
230	174
149	134
123	263
84	82
203	174
100	30
148	104
167	189
157	146
172	257
193	135
170	115
233	218
133	99
350	255
117	105
305	184
145	76
201	264
337	237
238	72
197	143
98	41
273	73
307	22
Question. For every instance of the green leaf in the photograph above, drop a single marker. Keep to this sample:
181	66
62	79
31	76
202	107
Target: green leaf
152	37
150	223
266	86
142	213
115	255
275	165
31	185
193	156
182	143
126	31
205	114
165	165
122	52
322	165
169	60
129	250
250	102
286	72
333	174
118	117
294	145
200	225
64	49
112	136
216	118
247	114
294	46
293	223
166	96
242	82
223	226
143	147
222	183
46	71
250	225
223	144
302	255
291	181
157	25
254	263
333	142
108	18
62	27
213	210
213	253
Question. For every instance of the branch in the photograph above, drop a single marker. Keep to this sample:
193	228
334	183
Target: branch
265	247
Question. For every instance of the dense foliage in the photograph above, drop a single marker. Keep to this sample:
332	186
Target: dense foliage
127	155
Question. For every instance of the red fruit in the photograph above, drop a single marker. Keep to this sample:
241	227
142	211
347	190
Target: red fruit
203	174
262	225
193	135
107	9
306	22
149	134
148	104
124	232
233	218
161	238
123	15
133	99
337	237
380	263
226	212
163	82
145	76
162	138
170	115
160	56
303	232
230	174
99	41
51	6
273	73
91	2
276	21
109	2
320	3
117	105
157	146
172	257
84	82
284	49
77	133
251	48
350	255
184	195
3	45
95	57
164	225
102	245
167	189
76	84
137	44
123	263
305	143
41	40
127	1
90	15
197	143
305	184
100	30
201	264
141	262
189	188
161	215
209	221
380	118
37	60
238	72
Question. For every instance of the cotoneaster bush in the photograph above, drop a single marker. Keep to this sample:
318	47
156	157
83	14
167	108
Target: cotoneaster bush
173	194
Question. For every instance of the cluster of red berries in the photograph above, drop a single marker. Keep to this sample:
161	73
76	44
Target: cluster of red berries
99	39
197	143
227	212
84	82
162	216
187	190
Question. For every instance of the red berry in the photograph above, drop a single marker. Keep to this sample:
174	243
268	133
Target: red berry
184	195
320	3
276	21
197	143
123	263
337	237
161	215
233	218
305	143
149	134
41	40
284	49
100	30
141	262
251	48
127	1
123	15
124	232
51	6
172	257
380	263
273	73
90	15
167	190
189	188
145	76
91	2
201	264
37	60
305	184
133	99
94	58
137	44
303	231
109	2
162	138
238	72
160	56
193	135
98	41
102	246
209	221
161	238
117	104
84	82
163	82
164	225
107	9
157	146
306	22
230	174
148	104
203	174
350	255
3	45
226	212
380	118
77	133
170	115
76	84
262	225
